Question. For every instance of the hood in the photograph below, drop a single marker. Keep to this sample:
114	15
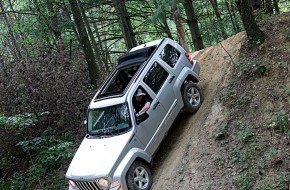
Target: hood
96	157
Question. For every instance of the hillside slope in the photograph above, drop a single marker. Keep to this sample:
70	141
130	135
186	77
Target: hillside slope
238	139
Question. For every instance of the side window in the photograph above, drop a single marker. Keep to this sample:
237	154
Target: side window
169	55
141	97
155	77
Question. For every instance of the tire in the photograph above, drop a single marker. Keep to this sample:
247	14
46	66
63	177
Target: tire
192	97
139	176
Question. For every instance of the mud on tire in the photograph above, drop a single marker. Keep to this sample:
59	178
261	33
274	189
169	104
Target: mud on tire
191	96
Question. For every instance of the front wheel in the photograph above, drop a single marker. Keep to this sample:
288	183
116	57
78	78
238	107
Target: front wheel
191	97
139	176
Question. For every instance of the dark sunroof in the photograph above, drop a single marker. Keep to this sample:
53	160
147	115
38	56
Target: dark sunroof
119	80
128	65
138	56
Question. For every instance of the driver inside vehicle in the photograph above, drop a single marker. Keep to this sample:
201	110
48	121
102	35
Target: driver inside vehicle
141	103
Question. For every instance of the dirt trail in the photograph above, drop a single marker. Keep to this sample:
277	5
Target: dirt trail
186	157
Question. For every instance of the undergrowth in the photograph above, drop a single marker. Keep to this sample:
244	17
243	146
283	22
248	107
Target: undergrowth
43	154
257	143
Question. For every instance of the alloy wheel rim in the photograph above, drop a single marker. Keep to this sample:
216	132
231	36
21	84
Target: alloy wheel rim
141	177
193	96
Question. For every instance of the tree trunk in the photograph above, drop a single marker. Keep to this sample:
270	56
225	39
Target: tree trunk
67	15
179	27
234	11
85	42
15	49
53	21
268	6
163	20
276	5
100	64
219	19
255	35
165	26
231	17
193	25
125	24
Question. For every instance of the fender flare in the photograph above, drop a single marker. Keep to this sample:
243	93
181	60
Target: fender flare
132	155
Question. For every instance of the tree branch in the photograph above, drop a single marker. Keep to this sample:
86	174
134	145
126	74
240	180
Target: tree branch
17	12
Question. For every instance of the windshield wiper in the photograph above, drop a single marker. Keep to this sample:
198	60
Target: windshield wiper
105	132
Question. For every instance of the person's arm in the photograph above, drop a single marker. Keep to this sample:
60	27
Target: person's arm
145	107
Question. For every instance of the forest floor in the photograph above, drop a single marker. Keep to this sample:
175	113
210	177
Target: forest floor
238	139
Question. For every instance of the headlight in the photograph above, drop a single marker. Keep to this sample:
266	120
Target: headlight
104	183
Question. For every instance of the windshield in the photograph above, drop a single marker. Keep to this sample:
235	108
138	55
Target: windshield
109	121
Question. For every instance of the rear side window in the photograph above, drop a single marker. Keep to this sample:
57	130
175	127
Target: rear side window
170	55
156	77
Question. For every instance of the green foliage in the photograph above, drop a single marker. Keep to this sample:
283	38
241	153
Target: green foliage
239	155
279	182
228	94
244	181
262	69
243	100
288	91
272	152
246	134
45	155
20	121
281	122
220	132
250	66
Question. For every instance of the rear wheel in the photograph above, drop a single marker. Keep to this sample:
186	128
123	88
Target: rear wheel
139	176
191	97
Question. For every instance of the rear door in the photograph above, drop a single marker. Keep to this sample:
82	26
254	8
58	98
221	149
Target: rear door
159	82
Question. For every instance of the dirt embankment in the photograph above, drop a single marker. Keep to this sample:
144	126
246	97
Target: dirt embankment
240	137
184	160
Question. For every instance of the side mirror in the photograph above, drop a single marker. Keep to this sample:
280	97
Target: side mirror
142	117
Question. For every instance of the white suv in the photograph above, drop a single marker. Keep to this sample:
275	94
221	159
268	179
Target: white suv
118	148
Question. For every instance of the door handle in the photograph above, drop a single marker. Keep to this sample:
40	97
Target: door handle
155	105
171	79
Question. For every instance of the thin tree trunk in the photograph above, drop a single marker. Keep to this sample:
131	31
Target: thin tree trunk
193	25
231	17
165	26
125	24
255	35
179	27
219	18
15	48
234	10
85	42
268	6
67	14
20	34
276	5
53	21
163	20
100	64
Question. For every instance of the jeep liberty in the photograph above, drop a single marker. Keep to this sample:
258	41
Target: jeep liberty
118	148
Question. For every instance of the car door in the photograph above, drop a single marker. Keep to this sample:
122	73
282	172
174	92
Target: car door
147	131
159	82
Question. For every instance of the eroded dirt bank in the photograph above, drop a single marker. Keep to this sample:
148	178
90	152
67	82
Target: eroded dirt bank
186	157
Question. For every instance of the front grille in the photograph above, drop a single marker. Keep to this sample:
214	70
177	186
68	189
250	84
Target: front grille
87	185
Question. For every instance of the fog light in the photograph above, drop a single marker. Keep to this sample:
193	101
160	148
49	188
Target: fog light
104	183
72	185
